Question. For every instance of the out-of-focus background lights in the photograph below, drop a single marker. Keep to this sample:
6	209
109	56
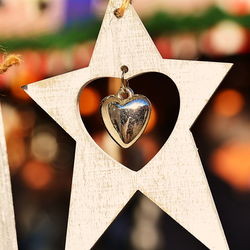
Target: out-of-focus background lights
57	36
228	103
232	163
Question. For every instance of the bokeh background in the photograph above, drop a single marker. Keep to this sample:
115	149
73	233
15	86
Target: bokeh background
57	36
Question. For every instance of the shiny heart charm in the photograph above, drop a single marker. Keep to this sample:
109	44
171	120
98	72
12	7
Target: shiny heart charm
125	118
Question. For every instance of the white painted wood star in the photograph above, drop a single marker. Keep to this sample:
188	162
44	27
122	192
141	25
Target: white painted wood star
8	238
174	179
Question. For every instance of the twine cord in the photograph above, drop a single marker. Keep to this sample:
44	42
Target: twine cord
120	11
8	62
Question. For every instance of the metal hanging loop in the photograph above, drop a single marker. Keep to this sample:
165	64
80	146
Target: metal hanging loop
125	83
125	91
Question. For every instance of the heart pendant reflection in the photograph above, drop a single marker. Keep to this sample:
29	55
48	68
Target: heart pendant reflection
125	119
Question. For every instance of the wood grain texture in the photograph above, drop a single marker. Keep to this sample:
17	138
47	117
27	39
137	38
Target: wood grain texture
7	221
174	179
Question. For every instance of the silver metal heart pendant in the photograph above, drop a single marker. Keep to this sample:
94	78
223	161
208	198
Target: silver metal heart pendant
125	118
125	115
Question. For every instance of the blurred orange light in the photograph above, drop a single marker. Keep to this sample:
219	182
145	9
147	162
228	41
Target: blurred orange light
228	103
164	46
152	121
232	163
23	78
16	152
239	7
89	101
37	175
149	147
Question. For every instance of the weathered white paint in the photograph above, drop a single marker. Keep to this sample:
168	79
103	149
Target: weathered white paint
174	179
7	221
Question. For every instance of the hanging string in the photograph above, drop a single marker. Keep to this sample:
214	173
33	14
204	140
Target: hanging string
120	11
9	61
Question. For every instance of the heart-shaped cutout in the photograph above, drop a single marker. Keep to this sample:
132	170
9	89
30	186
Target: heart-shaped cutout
164	97
126	119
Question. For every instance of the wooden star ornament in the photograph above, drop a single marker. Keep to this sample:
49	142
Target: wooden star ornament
7	220
174	179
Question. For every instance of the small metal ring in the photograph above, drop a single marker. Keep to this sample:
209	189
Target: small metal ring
125	91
